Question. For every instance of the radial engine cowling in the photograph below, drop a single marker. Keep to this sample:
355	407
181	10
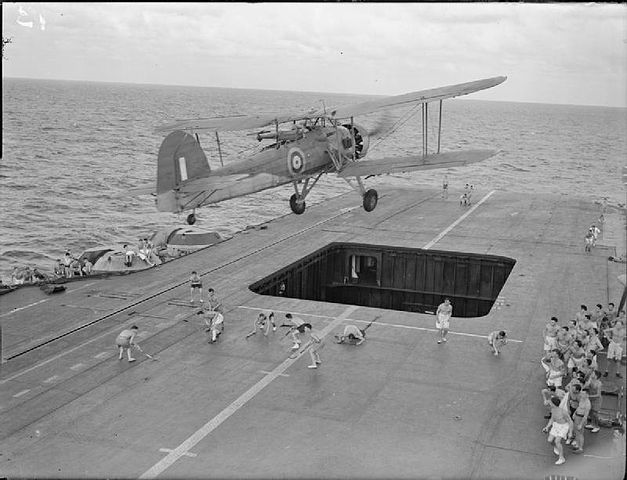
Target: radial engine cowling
361	139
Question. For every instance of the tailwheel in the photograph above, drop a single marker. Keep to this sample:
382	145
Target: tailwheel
370	200
191	219
297	204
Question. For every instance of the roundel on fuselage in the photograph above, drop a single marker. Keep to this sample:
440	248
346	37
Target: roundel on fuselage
295	161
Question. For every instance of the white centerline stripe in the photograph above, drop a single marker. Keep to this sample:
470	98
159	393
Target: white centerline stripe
103	354
51	379
456	222
23	392
212	424
78	366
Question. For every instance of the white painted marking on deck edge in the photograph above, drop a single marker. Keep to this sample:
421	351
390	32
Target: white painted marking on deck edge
216	421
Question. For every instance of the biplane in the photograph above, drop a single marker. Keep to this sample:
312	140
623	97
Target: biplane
303	147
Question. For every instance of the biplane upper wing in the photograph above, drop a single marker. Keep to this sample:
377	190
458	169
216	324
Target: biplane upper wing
422	96
412	163
248	122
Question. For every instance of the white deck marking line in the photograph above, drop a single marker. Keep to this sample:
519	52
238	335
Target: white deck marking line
51	379
169	450
78	366
23	392
62	354
432	330
604	458
23	308
269	373
216	421
103	354
394	325
40	301
456	222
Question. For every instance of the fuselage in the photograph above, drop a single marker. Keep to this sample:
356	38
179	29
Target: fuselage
283	162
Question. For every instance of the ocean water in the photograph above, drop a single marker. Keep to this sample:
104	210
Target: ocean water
71	151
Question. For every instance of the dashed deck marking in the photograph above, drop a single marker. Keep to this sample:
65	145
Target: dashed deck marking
23	308
51	379
62	354
103	355
15	310
216	421
456	222
78	366
23	392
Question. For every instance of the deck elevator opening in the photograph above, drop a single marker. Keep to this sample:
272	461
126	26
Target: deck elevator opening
394	278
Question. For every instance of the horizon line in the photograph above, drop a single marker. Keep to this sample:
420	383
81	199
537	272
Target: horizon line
295	91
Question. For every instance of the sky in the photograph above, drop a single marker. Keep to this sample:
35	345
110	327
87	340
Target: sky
566	53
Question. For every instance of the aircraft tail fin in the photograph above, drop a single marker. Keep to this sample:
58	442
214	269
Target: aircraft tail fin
180	159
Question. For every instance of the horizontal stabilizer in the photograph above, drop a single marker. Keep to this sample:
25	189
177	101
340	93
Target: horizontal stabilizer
215	183
413	163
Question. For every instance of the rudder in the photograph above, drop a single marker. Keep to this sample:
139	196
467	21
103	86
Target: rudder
180	159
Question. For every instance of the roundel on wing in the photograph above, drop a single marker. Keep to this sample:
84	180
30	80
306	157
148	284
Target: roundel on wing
295	161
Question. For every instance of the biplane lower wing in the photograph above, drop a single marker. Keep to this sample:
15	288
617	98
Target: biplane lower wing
413	163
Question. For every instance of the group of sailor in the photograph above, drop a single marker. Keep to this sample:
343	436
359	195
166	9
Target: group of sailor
570	353
145	252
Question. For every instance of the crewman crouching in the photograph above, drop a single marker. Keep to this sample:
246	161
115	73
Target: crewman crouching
125	341
351	335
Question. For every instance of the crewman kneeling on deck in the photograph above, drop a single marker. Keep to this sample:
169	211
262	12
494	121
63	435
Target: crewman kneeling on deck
352	335
125	341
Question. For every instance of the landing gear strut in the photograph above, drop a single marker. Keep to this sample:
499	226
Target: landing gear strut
297	201
191	219
370	197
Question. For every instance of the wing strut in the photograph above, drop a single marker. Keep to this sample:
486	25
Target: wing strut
439	125
425	131
219	149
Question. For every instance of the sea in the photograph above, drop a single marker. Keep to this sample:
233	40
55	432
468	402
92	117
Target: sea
72	150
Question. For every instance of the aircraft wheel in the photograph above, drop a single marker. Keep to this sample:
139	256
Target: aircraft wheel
191	219
370	200
297	207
